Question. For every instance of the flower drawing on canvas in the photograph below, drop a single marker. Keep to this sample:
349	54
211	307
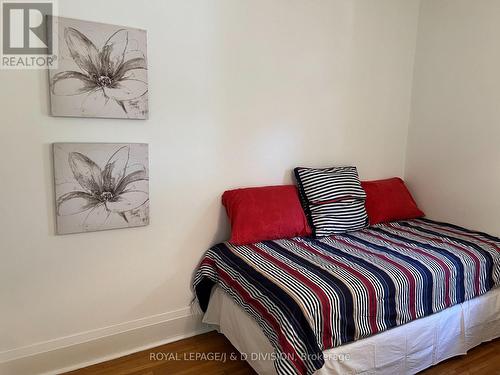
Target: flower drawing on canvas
115	189
102	82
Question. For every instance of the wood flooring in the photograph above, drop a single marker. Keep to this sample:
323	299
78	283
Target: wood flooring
192	357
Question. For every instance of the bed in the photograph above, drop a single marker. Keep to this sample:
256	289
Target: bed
392	298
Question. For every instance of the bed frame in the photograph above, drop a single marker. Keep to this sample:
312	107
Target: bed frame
406	349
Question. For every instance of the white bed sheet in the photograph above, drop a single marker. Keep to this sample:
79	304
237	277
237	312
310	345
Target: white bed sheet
406	349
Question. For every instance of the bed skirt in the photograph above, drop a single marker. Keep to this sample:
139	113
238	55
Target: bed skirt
406	349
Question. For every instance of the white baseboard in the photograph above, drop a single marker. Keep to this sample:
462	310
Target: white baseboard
87	348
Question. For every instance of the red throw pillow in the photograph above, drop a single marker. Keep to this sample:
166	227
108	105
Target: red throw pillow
389	200
265	213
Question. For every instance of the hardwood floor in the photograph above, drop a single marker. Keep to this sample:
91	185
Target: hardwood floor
482	360
179	358
175	358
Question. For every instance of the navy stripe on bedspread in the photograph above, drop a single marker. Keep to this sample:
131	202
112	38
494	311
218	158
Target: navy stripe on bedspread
308	295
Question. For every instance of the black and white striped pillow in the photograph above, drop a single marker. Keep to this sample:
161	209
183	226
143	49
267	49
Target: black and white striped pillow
333	199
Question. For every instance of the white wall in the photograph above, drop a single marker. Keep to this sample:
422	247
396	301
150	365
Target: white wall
240	93
453	161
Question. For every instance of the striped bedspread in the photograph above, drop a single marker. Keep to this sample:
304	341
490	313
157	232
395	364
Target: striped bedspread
309	295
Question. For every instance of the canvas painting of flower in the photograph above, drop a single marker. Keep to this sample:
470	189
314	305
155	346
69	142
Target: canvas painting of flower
101	71
100	186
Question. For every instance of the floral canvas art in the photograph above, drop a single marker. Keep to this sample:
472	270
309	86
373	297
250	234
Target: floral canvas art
101	72
100	186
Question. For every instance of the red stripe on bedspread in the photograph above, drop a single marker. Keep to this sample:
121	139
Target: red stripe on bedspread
469	235
475	259
446	270
285	345
409	276
325	302
372	300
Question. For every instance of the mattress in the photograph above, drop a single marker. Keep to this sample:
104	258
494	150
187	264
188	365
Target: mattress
309	295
